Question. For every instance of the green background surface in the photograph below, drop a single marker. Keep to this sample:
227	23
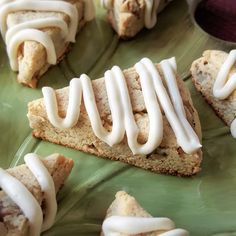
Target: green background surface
204	204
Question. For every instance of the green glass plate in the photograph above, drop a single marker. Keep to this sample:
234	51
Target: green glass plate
204	204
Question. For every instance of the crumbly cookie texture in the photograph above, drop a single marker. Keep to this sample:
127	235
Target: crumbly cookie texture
168	158
32	57
204	72
127	16
126	205
12	220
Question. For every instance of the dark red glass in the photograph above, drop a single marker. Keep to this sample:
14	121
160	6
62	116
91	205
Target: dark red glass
218	18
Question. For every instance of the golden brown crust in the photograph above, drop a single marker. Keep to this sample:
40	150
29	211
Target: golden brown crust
168	158
10	214
204	71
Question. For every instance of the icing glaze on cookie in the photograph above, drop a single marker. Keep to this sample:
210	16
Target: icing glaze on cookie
23	198
225	83
119	225
47	187
31	29
150	17
107	4
123	121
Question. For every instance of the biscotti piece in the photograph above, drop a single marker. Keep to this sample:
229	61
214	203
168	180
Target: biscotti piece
32	55
204	72
168	158
124	206
127	17
12	220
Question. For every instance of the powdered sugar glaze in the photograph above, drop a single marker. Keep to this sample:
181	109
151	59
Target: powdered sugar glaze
154	92
127	225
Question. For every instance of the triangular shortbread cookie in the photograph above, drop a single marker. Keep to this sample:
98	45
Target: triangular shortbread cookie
129	17
13	220
144	132
126	217
37	33
214	76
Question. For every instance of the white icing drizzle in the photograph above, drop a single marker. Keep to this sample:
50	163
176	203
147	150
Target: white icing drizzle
107	4
150	14
30	30
150	17
26	201
121	109
89	11
47	187
30	34
225	85
233	128
117	225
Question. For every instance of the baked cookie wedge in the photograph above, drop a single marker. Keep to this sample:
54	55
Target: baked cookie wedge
37	33
130	16
143	116
214	76
28	194
126	217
